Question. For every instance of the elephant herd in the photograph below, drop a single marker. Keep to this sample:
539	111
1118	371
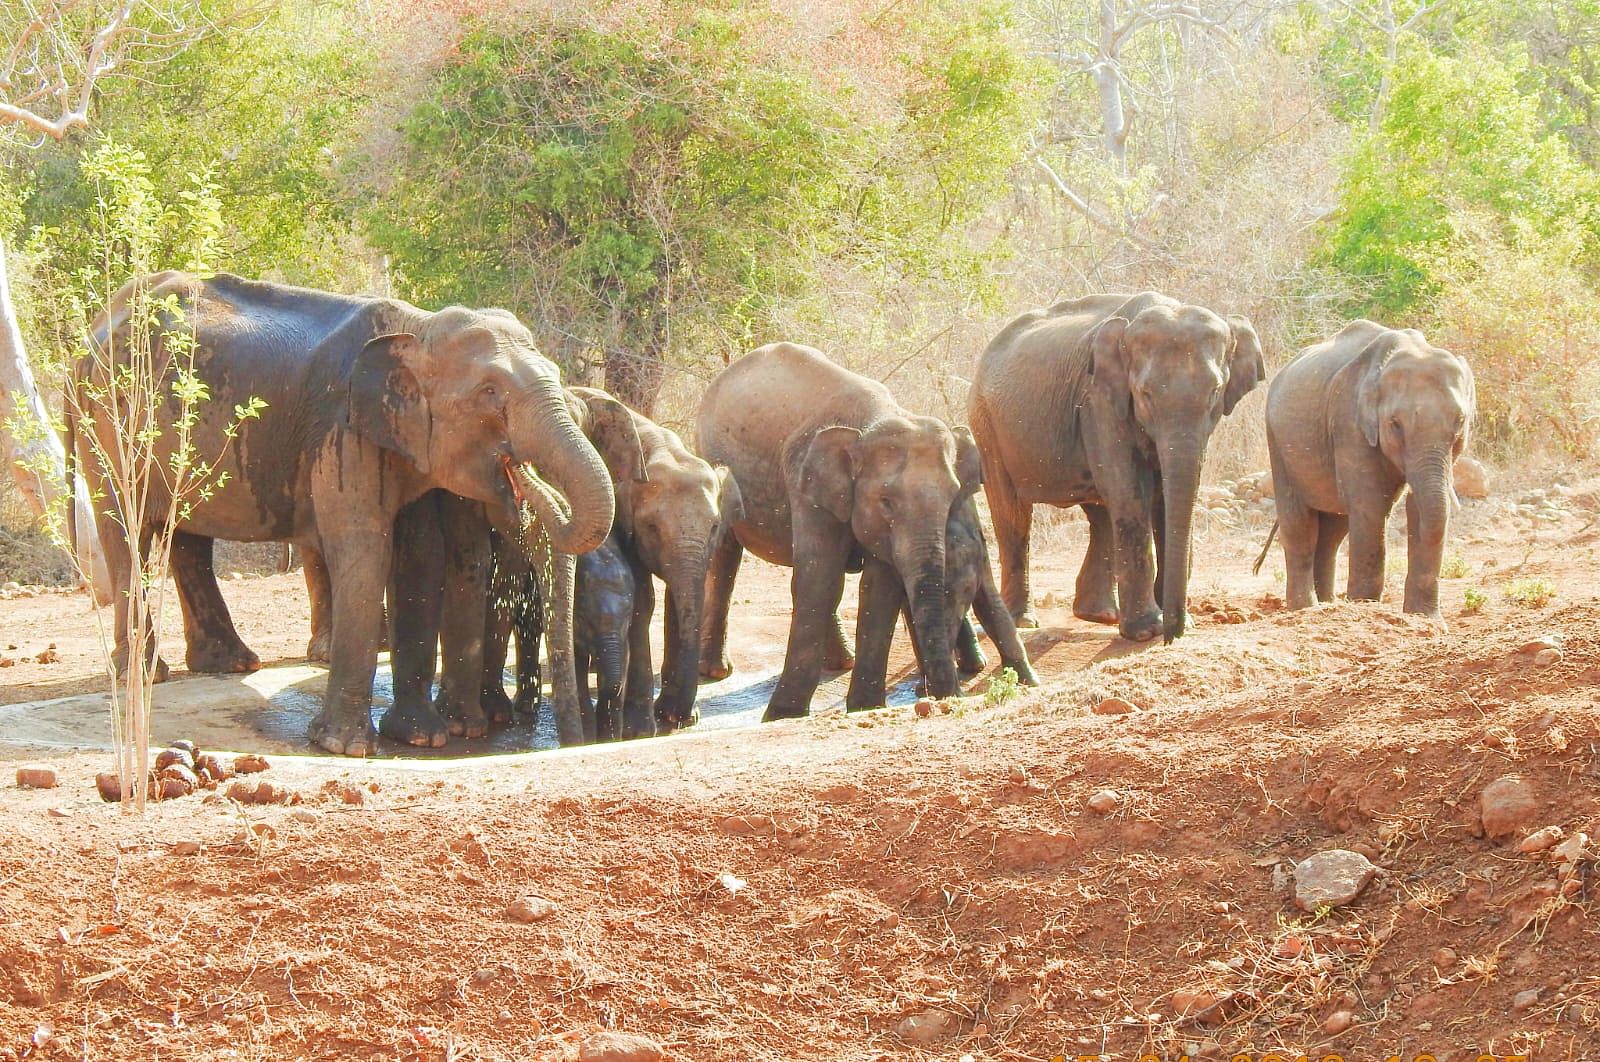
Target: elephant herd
436	461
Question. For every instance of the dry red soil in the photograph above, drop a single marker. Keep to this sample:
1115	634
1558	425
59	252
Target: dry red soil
883	885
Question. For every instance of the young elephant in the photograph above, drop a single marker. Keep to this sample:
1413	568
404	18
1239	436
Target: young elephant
1350	422
602	615
969	585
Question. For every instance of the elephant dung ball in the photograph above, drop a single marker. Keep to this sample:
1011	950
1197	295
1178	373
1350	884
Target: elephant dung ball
169	756
923	707
37	776
250	763
1113	706
178	772
212	770
109	785
172	787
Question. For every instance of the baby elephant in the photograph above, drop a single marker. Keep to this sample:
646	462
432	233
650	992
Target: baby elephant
602	613
969	584
1350	422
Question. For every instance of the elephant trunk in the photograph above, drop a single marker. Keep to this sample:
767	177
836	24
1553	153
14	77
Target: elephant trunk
1429	476
680	677
577	505
610	663
1180	482
930	614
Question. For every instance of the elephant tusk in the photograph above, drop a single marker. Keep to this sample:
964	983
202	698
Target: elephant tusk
510	469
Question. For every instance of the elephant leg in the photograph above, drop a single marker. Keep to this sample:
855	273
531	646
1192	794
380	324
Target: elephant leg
911	635
581	665
638	704
724	568
320	592
1300	533
837	653
822	549
213	645
969	654
1096	596
1001	628
461	633
416	603
882	600
358	560
1368	551
1141	618
1331	531
1013	530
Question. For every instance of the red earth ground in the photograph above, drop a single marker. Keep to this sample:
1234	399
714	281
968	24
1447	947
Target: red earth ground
884	885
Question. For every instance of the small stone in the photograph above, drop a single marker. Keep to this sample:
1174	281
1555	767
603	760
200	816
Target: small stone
483	975
530	909
613	1046
250	764
1541	839
1506	805
1105	801
1114	706
1017	775
1572	850
37	776
1538	645
1546	657
1331	879
928	1026
1471	478
1525	1001
923	707
1338	1022
185	848
1445	958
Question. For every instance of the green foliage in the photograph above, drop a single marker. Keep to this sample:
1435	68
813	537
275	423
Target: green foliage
1457	132
661	185
1002	688
1454	566
1531	593
1473	599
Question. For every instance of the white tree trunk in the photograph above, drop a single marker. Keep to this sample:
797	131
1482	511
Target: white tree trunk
44	448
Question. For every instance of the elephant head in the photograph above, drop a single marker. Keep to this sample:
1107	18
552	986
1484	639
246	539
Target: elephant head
467	398
1174	372
1415	403
894	484
673	509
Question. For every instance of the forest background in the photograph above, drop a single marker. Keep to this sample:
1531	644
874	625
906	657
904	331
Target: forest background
656	188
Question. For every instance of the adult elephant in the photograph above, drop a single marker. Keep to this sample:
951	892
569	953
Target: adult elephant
1107	402
370	403
673	511
835	476
1350	422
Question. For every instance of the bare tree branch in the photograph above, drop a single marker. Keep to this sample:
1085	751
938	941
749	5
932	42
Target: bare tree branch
1098	217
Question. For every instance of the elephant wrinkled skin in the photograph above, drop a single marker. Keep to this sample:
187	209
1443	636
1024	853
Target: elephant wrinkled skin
1108	402
834	475
1350	422
370	404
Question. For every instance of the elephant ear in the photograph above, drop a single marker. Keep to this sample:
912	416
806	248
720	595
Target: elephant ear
386	403
1373	357
969	463
730	505
1108	359
822	470
1247	367
615	433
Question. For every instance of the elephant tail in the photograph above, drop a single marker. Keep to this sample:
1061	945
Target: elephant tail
1255	569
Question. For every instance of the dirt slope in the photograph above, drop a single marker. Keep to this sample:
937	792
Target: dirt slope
889	886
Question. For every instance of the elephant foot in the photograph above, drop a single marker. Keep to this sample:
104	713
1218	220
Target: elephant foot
527	702
1026	676
462	719
715	669
1141	628
161	671
1172	631
970	660
319	650
1097	612
414	724
344	734
1026	620
219	658
779	711
669	716
497	707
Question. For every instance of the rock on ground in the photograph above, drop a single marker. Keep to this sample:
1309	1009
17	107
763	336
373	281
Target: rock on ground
612	1046
1331	878
530	909
1471	478
1507	806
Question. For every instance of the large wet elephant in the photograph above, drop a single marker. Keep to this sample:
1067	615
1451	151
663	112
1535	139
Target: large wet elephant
673	511
1350	422
1107	402
370	404
836	476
